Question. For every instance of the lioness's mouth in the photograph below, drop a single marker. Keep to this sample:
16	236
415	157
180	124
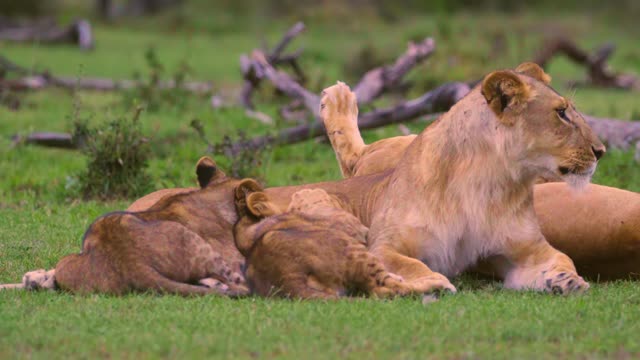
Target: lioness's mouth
573	171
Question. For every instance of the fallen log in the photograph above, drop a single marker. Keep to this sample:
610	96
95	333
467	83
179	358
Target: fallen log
598	72
78	33
439	99
379	80
48	139
36	81
615	133
253	75
261	65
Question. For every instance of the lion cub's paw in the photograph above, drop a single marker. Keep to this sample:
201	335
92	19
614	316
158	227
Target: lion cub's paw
564	283
232	289
434	283
215	284
338	100
39	280
308	199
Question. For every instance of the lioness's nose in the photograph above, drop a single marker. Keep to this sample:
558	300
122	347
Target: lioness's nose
598	151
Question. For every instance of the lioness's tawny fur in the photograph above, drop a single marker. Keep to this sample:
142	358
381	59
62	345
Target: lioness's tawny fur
315	249
599	228
473	173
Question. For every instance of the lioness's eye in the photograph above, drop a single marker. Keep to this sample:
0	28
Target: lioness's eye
562	114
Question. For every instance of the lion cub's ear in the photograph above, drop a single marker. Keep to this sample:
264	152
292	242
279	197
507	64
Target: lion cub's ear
207	171
246	187
260	206
504	91
535	71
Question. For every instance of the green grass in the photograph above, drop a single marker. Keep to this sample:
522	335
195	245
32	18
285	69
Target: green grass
41	220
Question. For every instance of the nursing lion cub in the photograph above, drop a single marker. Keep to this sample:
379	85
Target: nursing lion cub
180	245
462	190
315	249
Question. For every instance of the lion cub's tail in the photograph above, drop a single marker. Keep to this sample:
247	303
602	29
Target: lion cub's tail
339	111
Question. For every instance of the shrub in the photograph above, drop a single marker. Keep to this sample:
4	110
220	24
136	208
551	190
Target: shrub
117	158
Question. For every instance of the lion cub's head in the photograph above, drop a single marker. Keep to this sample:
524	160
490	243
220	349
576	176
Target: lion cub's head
308	208
558	142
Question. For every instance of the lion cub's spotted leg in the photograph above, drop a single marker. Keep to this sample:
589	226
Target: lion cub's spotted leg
537	265
397	247
339	111
367	270
235	282
417	276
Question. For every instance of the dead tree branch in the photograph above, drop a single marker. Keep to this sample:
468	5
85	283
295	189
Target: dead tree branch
379	80
38	80
252	72
616	134
260	65
79	33
48	139
598	72
439	99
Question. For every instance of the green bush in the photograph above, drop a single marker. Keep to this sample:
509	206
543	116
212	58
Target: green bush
117	158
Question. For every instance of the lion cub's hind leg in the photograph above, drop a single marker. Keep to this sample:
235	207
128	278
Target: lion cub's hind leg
369	274
35	280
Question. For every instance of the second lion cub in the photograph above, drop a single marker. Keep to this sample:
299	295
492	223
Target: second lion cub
313	250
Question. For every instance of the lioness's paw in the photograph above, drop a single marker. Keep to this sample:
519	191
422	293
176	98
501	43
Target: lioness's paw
564	283
338	100
39	280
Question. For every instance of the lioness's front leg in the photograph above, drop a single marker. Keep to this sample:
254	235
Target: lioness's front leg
534	264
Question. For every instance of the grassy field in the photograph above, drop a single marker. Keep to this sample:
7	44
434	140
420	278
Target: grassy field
43	219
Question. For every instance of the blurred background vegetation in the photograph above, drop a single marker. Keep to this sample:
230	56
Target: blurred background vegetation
47	196
199	40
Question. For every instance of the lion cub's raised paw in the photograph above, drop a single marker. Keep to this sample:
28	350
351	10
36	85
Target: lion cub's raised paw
338	100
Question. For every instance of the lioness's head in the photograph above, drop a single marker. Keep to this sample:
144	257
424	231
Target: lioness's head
558	141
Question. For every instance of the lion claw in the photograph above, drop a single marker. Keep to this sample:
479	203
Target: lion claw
565	283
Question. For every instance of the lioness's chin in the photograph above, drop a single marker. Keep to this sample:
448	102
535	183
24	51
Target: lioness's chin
579	181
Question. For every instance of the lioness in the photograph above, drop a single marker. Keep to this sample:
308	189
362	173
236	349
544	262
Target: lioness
313	250
598	228
462	191
177	246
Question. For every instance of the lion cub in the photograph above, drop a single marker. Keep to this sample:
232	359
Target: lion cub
175	247
313	250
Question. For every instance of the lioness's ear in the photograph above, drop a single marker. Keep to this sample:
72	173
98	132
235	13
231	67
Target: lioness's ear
259	205
535	71
246	187
207	171
504	90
